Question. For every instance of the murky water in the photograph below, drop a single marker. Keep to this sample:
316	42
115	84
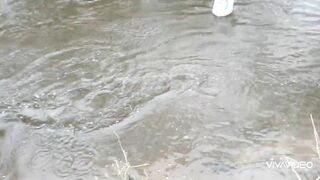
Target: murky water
194	96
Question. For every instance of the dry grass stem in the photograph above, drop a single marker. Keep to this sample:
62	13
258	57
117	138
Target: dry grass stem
124	168
316	136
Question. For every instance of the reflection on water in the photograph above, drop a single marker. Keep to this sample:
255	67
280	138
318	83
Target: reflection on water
195	96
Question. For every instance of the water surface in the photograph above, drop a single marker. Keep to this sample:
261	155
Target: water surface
194	96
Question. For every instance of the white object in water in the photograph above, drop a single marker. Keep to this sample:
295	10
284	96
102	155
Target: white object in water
222	7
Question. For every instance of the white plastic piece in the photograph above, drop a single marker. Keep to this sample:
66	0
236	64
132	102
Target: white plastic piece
222	7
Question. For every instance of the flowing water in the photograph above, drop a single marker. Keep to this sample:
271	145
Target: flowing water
195	96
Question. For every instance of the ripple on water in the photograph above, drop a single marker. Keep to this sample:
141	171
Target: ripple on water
305	15
62	153
61	88
188	92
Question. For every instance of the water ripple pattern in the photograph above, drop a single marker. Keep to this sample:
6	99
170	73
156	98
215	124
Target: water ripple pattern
193	95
